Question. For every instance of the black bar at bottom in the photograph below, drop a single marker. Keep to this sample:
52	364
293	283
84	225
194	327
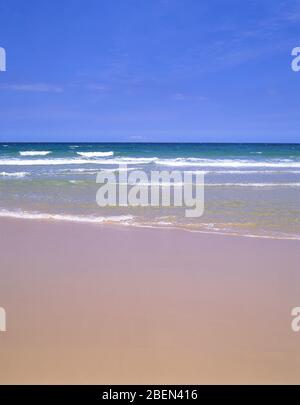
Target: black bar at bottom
137	393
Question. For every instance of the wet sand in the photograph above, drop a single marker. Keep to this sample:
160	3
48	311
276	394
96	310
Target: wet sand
115	305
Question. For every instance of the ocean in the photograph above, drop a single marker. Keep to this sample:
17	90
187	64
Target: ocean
250	189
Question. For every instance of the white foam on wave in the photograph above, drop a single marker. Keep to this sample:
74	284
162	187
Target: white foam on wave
96	171
211	228
194	162
43	162
180	162
252	172
129	220
77	181
74	161
154	184
252	184
95	154
183	183
119	169
78	171
35	153
67	218
14	174
129	161
126	161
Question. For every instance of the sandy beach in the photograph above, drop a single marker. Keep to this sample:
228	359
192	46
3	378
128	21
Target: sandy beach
106	304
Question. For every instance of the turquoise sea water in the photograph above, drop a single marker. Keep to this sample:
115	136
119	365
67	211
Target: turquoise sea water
250	189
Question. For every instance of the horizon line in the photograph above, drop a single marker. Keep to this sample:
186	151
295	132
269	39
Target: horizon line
150	142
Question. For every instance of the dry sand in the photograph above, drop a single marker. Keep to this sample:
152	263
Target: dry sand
111	305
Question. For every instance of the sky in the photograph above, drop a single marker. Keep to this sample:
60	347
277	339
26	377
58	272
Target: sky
149	71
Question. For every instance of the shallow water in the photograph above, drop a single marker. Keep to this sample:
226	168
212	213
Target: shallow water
250	189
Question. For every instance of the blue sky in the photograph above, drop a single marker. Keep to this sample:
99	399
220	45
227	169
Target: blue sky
150	70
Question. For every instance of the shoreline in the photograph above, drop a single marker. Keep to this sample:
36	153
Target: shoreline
120	220
124	305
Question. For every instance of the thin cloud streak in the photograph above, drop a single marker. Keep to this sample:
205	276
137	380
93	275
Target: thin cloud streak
32	87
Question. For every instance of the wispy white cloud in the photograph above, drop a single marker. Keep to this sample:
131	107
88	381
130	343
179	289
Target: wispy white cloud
190	97
136	138
32	87
97	87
